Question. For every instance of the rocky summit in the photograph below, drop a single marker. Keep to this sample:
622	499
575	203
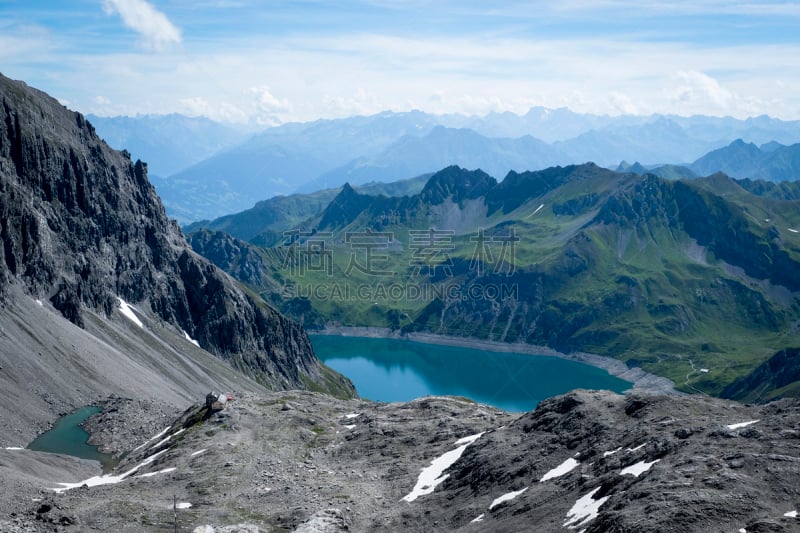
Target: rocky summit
306	462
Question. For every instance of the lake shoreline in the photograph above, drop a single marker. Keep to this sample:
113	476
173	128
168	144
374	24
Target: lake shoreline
641	380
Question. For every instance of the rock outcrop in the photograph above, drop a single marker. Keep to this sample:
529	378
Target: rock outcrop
240	259
588	461
82	228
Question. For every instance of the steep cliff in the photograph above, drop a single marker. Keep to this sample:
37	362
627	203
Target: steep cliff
83	229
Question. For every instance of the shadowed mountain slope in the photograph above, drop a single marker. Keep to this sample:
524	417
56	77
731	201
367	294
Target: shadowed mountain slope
84	233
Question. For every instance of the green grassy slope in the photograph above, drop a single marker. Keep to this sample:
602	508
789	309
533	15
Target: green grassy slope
694	280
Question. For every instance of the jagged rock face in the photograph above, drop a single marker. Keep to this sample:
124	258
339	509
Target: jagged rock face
238	258
710	220
82	226
455	183
346	205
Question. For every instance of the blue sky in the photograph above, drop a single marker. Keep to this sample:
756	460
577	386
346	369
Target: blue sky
268	62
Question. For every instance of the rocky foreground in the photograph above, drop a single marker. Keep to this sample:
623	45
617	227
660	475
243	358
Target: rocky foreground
300	461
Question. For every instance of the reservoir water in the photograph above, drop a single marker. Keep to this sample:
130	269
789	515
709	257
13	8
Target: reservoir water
390	370
68	437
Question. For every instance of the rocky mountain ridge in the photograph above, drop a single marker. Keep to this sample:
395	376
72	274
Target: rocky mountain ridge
304	157
772	162
84	234
587	461
642	268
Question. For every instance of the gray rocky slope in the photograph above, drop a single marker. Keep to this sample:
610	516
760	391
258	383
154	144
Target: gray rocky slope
81	227
300	461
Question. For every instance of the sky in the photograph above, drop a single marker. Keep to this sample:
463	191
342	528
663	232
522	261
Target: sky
269	62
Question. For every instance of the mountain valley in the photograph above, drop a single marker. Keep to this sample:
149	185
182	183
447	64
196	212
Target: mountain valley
673	276
105	301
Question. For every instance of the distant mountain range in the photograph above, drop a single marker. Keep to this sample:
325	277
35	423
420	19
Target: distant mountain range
672	275
168	143
212	172
770	162
265	222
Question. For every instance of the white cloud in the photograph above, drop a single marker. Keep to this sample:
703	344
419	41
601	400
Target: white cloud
263	79
155	28
697	92
699	87
267	109
222	111
622	104
195	105
256	105
361	102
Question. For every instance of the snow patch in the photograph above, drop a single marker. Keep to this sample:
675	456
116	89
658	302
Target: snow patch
350	426
165	439
14	448
639	447
431	476
704	371
741	424
535	211
151	474
506	497
564	468
352	415
742	530
790	514
639	468
183	505
39	302
470	439
585	510
243	528
612	452
107	479
477	519
198	452
151	439
188	338
128	310
793	230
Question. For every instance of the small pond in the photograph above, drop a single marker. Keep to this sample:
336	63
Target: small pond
69	438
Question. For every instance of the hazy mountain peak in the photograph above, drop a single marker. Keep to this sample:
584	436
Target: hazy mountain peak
457	183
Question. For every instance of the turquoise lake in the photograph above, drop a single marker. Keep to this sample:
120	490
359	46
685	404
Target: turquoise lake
390	370
68	437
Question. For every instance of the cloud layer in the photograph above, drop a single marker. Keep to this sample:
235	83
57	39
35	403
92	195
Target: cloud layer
156	30
264	63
